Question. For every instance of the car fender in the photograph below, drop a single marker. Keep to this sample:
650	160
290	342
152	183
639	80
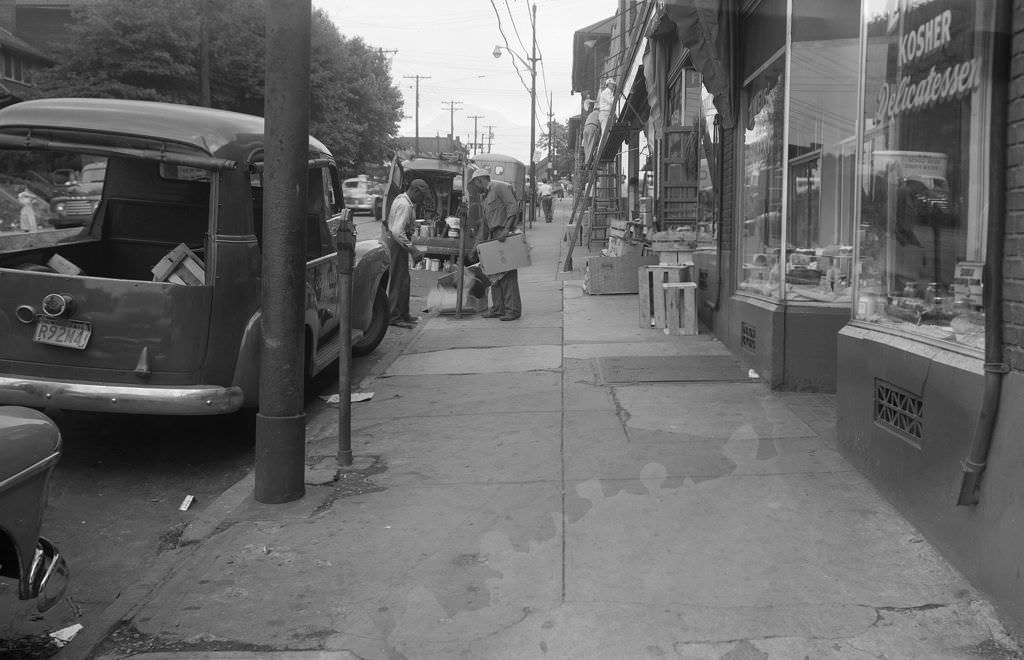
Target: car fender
372	266
247	366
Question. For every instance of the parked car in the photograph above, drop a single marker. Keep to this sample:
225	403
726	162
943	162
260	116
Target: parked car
80	196
29	450
155	306
361	194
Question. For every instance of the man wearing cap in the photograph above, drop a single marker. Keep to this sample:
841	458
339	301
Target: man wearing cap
606	101
500	213
397	235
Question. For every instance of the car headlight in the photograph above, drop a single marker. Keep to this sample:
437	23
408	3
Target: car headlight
59	207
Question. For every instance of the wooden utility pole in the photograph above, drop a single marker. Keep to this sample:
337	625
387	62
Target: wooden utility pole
551	134
490	136
451	111
475	118
417	78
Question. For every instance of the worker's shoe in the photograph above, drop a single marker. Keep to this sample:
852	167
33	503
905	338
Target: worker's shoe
491	315
510	317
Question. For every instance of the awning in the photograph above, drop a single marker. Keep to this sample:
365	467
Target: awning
705	28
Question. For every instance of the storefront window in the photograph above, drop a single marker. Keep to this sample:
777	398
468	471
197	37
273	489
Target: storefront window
824	55
761	231
924	176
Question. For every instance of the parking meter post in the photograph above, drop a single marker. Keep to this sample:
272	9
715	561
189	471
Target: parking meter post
280	452
462	271
346	245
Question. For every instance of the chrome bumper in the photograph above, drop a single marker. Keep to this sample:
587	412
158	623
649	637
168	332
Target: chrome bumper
145	400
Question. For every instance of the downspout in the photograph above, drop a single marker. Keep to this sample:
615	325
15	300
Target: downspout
974	465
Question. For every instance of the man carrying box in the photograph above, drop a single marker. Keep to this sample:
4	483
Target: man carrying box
500	213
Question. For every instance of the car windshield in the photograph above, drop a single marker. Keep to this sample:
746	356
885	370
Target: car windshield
94	173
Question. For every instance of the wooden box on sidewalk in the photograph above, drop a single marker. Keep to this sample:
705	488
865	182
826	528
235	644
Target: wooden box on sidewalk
605	275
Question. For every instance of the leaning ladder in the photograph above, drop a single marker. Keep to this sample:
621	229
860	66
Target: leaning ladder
579	207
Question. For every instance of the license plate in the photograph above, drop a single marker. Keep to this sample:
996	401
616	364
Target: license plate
61	332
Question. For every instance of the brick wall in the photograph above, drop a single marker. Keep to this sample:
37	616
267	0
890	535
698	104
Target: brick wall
727	226
1013	265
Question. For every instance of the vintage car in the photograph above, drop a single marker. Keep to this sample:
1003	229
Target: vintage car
153	307
29	450
80	196
361	195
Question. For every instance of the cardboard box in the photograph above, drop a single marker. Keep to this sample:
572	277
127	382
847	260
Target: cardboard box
500	256
605	275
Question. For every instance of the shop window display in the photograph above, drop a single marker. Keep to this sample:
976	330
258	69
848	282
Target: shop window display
924	183
823	74
761	231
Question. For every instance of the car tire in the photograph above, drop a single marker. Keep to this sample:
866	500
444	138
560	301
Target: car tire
378	325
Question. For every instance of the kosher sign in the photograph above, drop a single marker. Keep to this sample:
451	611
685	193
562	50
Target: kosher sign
917	89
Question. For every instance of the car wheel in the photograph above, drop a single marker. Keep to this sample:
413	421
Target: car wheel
378	325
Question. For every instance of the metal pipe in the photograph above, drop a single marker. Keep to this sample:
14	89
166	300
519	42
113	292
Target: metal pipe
346	245
974	465
280	459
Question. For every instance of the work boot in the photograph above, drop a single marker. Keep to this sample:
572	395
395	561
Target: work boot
490	314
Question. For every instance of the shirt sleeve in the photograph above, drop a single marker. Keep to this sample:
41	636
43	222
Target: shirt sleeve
401	216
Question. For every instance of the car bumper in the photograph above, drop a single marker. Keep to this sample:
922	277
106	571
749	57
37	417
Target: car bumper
145	400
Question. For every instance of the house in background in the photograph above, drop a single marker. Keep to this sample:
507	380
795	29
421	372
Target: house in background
28	31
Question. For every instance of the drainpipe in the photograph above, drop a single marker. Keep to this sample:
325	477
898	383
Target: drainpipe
974	465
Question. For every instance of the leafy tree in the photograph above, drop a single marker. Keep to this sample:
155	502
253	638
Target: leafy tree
149	50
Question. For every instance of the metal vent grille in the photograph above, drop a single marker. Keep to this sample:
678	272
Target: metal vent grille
748	337
899	411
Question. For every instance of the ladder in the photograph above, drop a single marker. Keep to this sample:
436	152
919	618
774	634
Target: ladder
580	204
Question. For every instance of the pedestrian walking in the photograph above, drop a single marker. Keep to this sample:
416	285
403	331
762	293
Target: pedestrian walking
500	215
397	235
27	217
546	198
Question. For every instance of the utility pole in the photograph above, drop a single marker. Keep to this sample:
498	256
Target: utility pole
533	115
490	136
451	112
418	78
551	134
204	54
475	118
280	454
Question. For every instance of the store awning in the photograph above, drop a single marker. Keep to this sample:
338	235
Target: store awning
705	28
637	107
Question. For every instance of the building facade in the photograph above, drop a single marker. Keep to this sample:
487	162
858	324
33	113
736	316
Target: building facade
856	171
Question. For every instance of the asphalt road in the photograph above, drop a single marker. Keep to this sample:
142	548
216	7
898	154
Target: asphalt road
115	495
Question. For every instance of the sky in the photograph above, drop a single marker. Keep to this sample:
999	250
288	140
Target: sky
449	44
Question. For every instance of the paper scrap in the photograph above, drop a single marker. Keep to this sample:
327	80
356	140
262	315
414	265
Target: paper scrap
752	374
354	397
64	635
187	503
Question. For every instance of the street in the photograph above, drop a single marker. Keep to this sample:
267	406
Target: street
115	496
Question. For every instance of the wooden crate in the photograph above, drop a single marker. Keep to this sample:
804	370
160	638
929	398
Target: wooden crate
652	298
680	308
180	266
606	275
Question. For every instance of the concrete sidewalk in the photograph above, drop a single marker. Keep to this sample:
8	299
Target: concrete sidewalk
514	501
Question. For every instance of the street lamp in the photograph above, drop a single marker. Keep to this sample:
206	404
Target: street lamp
532	65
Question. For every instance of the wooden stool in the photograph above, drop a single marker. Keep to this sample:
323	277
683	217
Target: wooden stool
681	308
652	299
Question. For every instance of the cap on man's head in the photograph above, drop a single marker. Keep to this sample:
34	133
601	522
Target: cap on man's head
609	81
480	173
420	186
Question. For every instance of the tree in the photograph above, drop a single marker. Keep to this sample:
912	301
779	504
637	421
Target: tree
149	50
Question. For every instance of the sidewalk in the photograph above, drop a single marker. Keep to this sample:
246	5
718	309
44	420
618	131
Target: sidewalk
569	485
